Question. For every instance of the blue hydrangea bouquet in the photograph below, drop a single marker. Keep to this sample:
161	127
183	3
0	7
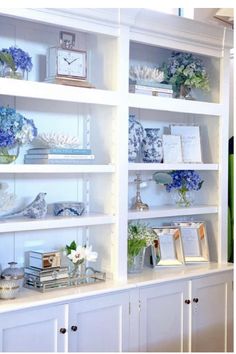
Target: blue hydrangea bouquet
183	182
15	130
15	62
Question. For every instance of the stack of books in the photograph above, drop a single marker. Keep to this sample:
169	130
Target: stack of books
58	156
152	89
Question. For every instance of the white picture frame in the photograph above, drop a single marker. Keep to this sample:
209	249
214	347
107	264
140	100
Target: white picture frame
172	149
191	144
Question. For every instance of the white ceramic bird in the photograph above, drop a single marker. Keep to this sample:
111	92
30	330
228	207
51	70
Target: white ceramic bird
37	209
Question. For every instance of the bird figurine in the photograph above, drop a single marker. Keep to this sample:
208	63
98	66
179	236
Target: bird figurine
37	209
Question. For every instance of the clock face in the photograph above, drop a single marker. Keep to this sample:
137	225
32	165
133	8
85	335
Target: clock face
71	63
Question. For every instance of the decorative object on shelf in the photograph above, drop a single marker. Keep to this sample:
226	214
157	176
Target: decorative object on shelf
142	74
172	149
16	63
67	65
9	287
136	135
183	182
68	208
190	142
15	130
14	272
152	146
185	71
78	256
162	178
151	89
37	209
55	140
140	236
44	260
6	199
167	249
194	239
92	276
138	204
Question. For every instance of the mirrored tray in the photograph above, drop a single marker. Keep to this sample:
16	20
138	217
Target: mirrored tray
92	276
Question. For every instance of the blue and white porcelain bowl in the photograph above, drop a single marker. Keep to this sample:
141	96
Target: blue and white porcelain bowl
68	208
152	146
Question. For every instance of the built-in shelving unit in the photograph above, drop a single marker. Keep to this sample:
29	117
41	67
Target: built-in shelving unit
99	117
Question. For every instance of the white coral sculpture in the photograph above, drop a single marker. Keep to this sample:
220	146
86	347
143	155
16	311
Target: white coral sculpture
146	73
57	140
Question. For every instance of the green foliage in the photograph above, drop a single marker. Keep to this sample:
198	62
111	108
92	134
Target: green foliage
139	236
71	247
7	59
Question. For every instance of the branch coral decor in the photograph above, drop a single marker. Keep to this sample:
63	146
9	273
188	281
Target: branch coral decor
13	59
145	73
185	69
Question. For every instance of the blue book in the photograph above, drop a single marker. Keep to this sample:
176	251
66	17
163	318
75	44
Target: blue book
63	151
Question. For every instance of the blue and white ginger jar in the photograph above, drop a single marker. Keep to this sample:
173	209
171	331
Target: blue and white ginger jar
152	146
136	135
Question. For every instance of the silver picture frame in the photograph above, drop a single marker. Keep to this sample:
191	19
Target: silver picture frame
168	249
195	242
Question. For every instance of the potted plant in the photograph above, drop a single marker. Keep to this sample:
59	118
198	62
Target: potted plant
183	183
15	62
78	255
15	130
140	236
185	71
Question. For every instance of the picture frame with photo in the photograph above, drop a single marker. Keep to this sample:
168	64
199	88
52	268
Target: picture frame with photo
195	242
168	249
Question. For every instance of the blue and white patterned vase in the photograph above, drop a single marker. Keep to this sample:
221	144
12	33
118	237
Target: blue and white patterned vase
136	135
152	146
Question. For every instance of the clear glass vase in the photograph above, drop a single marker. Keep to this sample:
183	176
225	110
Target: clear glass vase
183	198
135	263
77	270
18	74
9	154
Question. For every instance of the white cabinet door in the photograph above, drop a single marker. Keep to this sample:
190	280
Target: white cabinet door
164	317
35	330
212	313
100	324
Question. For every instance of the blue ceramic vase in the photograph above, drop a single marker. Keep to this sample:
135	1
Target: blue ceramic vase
152	145
136	135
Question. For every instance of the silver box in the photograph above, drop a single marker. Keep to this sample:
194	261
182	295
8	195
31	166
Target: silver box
44	260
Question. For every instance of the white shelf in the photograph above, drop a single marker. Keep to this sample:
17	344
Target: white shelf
170	210
45	169
174	105
168	167
48	91
55	222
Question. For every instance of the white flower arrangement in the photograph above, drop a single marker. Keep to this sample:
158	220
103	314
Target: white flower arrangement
79	254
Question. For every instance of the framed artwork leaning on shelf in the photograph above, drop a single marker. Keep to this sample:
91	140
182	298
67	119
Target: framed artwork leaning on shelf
190	140
167	249
195	243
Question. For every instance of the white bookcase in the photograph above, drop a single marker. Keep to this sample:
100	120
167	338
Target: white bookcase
99	117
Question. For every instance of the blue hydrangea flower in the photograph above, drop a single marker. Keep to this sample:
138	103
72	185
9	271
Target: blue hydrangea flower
15	128
185	180
21	58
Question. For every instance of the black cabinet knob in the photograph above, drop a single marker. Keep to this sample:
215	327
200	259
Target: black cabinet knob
195	299
187	302
62	330
74	328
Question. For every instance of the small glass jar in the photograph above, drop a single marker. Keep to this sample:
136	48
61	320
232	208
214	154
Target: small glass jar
14	272
9	288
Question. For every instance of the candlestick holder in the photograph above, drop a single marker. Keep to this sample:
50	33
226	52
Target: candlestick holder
138	204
